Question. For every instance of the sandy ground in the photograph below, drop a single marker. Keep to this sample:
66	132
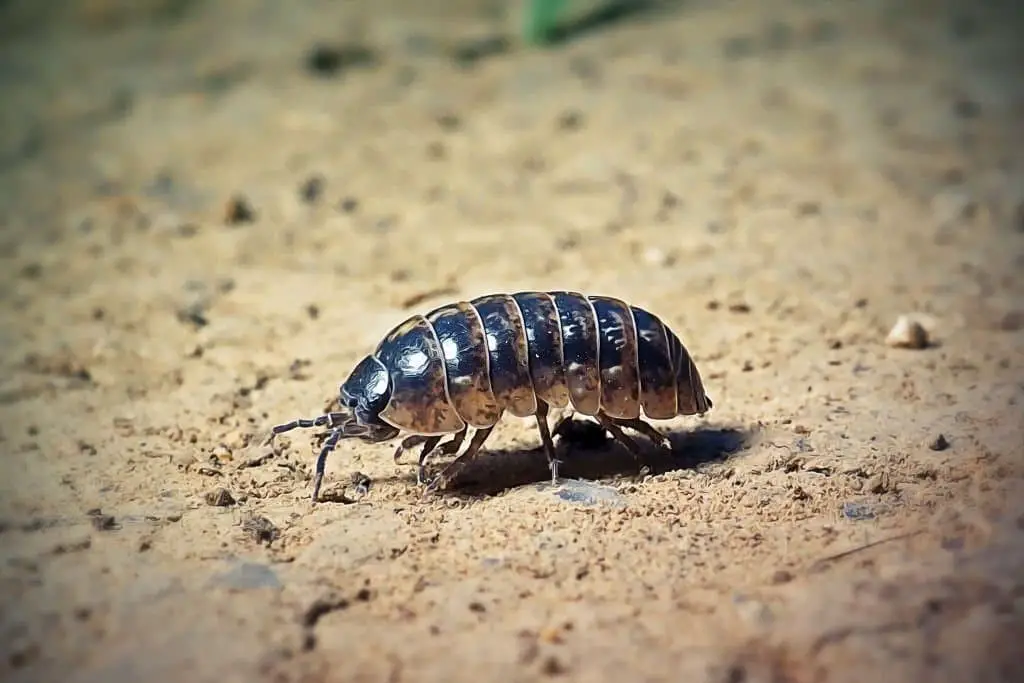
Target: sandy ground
211	210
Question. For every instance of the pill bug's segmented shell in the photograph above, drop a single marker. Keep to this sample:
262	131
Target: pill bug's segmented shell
617	358
467	363
658	395
579	350
509	356
419	401
544	343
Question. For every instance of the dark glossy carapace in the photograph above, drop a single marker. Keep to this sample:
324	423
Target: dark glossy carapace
467	363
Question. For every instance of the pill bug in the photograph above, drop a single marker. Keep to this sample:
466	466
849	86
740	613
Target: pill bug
466	363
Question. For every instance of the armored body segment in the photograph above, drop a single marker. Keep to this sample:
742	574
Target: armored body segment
690	390
506	345
464	349
419	395
462	365
544	342
579	351
616	353
657	375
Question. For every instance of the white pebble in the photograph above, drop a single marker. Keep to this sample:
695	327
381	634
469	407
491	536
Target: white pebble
656	257
907	333
953	207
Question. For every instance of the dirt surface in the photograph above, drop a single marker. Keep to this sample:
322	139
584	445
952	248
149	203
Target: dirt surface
212	210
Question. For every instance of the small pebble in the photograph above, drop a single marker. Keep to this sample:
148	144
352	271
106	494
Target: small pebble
939	443
907	333
857	511
551	635
570	120
329	60
449	122
102	522
552	666
238	210
261	529
311	189
219	498
193	314
657	257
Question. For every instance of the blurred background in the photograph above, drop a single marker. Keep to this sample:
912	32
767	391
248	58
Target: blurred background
210	210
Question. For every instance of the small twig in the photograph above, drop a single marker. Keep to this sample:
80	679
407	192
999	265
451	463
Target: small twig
866	546
258	459
419	297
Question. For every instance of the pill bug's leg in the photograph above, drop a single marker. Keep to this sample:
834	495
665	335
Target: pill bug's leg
413	441
453	446
447	448
616	432
338	422
429	446
545	437
321	461
328	419
471	452
648	430
429	443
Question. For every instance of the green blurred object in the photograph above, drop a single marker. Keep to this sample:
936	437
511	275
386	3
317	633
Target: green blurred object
541	20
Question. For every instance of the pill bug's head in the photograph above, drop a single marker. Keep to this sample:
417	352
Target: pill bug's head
365	393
